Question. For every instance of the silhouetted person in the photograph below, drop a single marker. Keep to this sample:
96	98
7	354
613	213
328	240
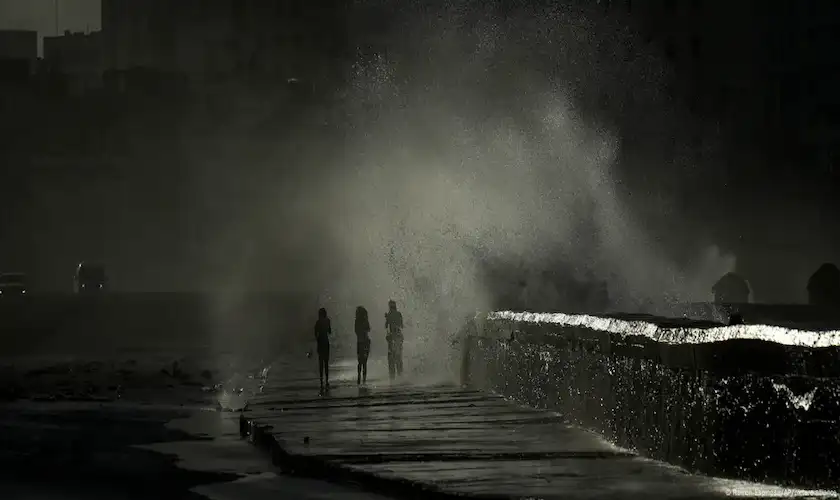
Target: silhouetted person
731	289
323	330
824	286
362	328
601	297
394	336
736	319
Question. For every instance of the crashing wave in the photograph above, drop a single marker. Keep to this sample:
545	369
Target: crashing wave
234	393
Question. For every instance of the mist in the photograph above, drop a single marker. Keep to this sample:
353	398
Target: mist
475	136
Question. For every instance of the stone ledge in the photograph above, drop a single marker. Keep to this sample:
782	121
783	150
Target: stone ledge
675	335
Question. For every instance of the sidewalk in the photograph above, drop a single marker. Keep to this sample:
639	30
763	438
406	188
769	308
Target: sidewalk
442	441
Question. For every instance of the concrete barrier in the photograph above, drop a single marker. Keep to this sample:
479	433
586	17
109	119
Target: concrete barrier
749	401
788	315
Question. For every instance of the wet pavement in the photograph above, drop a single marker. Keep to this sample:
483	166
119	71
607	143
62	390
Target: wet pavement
67	435
450	441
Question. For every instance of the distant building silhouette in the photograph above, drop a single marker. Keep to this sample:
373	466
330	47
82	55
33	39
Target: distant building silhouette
77	57
732	289
214	39
824	286
18	55
19	44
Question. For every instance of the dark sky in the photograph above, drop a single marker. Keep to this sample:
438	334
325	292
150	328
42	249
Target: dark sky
39	15
756	194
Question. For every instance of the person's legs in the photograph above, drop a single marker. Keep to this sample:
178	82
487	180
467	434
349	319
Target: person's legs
321	368
364	369
324	365
327	365
399	359
364	353
359	352
391	360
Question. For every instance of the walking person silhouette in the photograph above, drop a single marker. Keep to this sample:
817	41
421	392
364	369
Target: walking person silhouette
362	328
323	330
394	336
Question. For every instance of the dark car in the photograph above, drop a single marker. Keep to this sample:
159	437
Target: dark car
90	279
12	284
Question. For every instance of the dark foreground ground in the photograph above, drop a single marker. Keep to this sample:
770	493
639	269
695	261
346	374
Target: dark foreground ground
132	429
84	450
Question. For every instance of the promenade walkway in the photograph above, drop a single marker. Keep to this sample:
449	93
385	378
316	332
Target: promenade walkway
442	441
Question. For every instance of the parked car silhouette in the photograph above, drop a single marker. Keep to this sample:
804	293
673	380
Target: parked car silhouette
90	279
12	284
